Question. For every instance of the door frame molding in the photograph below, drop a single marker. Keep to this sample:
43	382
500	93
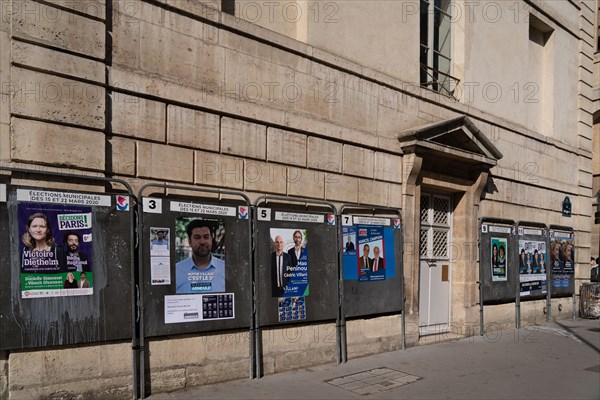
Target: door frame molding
455	157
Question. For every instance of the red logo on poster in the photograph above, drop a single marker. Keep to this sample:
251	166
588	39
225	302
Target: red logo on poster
362	232
122	203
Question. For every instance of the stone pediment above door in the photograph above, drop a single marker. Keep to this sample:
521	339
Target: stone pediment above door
453	141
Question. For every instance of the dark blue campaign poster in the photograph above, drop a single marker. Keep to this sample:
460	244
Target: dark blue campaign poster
532	267
291	308
562	257
289	262
368	253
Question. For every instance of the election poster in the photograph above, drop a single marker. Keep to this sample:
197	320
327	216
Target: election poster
349	241
160	256
289	262
498	261
562	247
200	255
55	243
159	241
370	241
532	267
368	253
291	308
199	307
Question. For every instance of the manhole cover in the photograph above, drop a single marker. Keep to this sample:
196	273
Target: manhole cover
373	381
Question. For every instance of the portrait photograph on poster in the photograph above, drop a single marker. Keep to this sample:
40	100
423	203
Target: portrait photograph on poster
200	255
532	269
498	259
159	241
371	263
55	244
349	241
160	256
289	262
562	261
373	257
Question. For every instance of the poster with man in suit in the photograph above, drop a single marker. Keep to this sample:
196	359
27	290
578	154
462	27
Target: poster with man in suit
289	262
370	241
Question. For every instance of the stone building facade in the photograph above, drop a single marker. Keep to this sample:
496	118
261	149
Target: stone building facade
329	100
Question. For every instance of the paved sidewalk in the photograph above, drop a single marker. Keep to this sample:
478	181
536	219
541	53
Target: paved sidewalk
555	361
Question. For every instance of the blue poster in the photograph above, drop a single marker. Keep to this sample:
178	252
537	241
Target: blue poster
562	259
291	308
289	262
532	267
368	253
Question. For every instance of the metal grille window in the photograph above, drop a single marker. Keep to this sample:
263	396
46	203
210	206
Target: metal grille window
424	208
423	243
436	46
440	210
435	227
440	243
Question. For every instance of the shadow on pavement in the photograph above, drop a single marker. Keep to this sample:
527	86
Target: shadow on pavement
583	340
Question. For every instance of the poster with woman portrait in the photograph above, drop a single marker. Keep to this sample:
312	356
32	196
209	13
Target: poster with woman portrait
498	259
55	249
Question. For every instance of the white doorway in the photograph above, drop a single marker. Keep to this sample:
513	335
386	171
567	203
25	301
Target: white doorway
435	267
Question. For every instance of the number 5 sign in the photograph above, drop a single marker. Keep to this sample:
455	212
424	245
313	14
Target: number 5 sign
264	214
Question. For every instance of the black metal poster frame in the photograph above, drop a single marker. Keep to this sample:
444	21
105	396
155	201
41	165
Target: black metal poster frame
353	292
124	283
502	290
290	205
245	294
528	231
568	235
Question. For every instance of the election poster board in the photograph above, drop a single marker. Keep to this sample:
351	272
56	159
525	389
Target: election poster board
197	265
371	259
562	262
499	275
532	256
67	268
297	270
